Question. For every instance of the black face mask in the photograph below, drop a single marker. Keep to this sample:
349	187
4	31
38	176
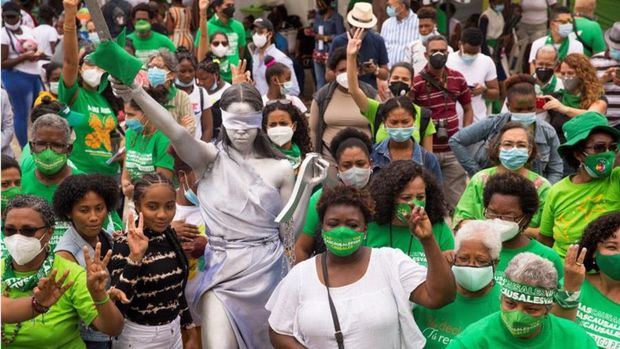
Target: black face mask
399	88
438	60
322	11
229	11
544	74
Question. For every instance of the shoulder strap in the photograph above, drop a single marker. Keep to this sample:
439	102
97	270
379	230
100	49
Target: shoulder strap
585	45
8	32
202	99
332	308
436	84
425	119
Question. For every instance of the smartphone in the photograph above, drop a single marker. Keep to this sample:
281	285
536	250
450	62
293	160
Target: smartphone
540	102
369	62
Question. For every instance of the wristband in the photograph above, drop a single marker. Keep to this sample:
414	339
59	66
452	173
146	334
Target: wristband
38	308
567	299
104	301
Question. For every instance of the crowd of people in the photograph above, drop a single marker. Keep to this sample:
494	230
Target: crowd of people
355	179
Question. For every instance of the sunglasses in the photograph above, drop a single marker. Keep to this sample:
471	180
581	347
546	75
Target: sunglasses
602	147
279	101
26	231
218	43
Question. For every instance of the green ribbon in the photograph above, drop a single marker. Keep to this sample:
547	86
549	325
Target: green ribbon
571	100
11	281
293	155
562	50
526	293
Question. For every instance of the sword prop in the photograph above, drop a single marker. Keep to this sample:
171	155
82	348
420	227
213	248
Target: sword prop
94	8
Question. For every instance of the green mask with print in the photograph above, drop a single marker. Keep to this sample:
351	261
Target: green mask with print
343	241
403	211
49	162
8	194
600	165
609	264
520	324
142	26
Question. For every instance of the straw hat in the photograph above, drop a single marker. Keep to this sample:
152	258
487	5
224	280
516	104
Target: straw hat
361	16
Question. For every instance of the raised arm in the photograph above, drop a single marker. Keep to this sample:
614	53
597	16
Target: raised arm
356	92
203	40
70	64
567	298
194	152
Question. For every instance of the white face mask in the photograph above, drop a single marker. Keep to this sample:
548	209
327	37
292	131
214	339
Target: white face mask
356	177
259	40
507	230
92	77
343	80
473	278
13	27
280	135
54	87
23	249
220	50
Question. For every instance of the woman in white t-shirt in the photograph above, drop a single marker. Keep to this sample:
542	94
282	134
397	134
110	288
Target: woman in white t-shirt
208	77
356	295
20	69
198	97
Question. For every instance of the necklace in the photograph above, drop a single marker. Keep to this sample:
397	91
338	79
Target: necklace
7	340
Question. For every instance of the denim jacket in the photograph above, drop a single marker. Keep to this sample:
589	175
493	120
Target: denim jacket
471	146
381	158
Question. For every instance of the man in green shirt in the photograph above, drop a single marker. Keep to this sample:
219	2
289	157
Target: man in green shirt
145	40
588	31
223	22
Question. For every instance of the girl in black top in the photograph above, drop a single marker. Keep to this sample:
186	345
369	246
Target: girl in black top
149	267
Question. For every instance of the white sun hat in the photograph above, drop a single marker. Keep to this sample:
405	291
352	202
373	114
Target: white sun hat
361	16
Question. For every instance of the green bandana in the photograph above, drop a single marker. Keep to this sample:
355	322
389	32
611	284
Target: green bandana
10	280
562	50
112	57
549	88
293	155
526	293
403	211
571	100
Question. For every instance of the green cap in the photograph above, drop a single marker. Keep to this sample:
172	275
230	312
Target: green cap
581	126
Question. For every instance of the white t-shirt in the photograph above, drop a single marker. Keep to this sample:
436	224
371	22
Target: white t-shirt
198	108
366	309
481	70
215	96
26	38
535	11
26	19
294	99
45	34
574	46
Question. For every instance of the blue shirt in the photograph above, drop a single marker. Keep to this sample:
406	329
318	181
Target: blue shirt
334	25
381	158
398	35
373	47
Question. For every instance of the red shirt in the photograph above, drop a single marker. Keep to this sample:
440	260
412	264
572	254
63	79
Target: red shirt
442	106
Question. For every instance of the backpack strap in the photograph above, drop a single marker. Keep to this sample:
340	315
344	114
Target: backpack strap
425	120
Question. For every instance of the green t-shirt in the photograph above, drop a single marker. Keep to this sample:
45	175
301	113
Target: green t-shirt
490	332
381	134
442	22
32	185
471	204
146	153
592	34
58	328
535	247
389	235
93	145
236	39
311	225
599	316
439	326
152	44
571	207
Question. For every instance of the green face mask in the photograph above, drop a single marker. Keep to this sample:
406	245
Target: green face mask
142	26
600	165
609	264
403	211
49	161
8	194
343	241
520	324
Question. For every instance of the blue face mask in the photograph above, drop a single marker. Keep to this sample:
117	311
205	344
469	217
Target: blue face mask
499	8
400	135
468	59
180	83
565	29
614	54
513	159
524	118
134	124
156	76
286	87
190	195
390	11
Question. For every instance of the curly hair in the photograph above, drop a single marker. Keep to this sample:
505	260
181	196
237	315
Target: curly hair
391	181
513	184
349	196
350	138
599	230
494	146
33	202
75	187
591	88
301	137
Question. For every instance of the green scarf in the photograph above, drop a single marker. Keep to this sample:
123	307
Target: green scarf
563	50
549	88
571	100
293	155
10	280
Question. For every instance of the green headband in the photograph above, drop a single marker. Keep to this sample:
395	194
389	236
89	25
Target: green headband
528	294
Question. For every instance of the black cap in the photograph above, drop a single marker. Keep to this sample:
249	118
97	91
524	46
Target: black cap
11	8
263	24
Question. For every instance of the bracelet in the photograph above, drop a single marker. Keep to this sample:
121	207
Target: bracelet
38	307
104	301
69	28
567	299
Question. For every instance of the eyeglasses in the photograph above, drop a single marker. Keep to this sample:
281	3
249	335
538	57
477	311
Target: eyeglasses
26	231
602	147
492	215
218	43
279	101
38	147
